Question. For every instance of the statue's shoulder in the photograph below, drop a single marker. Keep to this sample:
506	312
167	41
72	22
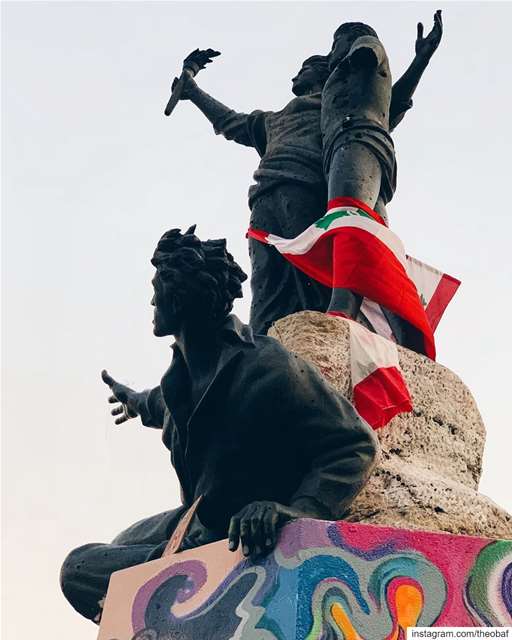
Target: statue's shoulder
262	354
270	357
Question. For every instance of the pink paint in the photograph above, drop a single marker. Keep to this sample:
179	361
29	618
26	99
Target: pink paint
295	537
454	555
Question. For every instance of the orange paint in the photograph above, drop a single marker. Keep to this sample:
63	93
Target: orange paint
408	606
409	603
343	622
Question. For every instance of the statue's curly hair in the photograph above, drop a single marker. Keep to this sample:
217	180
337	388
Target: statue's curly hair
355	30
320	64
203	274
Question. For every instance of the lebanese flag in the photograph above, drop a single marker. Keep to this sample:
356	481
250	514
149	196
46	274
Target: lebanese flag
435	288
379	391
351	248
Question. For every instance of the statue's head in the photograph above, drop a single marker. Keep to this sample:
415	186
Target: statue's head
345	36
194	279
311	76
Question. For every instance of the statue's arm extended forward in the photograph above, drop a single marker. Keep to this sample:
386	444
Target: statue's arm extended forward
150	407
404	88
245	128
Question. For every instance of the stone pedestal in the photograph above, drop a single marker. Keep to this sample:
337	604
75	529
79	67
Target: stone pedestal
324	580
431	460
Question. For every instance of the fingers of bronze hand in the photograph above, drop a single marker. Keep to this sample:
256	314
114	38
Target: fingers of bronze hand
420	31
234	533
257	535
270	522
245	535
438	22
205	55
118	390
124	412
254	528
208	55
107	378
434	37
201	57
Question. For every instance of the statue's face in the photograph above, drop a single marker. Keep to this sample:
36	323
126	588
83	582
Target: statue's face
341	47
305	80
166	316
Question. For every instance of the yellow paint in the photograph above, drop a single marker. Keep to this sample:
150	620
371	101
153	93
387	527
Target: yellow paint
343	622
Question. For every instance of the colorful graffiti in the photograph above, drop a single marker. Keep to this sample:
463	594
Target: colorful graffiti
489	586
324	581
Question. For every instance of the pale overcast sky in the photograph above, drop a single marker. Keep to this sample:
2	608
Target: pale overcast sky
93	173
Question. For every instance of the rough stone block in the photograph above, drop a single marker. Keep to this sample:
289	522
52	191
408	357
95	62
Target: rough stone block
324	580
431	459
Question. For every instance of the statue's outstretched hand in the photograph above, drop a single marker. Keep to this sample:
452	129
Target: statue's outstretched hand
255	526
122	395
199	58
425	47
192	64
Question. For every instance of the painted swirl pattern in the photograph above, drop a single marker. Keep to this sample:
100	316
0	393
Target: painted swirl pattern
327	581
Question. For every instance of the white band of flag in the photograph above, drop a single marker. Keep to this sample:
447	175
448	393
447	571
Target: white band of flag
379	391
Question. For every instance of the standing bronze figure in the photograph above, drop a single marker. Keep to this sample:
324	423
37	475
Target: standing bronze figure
290	190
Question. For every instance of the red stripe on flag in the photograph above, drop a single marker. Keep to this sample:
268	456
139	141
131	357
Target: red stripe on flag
381	396
444	292
354	202
351	258
257	234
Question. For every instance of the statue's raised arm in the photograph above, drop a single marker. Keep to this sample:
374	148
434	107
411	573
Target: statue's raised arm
404	87
231	124
192	64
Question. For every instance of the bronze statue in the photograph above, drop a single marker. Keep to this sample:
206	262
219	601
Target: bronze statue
254	432
356	120
290	191
359	155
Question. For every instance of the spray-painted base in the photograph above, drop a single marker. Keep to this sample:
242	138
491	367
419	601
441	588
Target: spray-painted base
325	580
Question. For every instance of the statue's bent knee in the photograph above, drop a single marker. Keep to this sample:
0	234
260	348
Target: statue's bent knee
81	586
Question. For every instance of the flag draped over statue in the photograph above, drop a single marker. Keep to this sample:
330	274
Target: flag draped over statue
351	247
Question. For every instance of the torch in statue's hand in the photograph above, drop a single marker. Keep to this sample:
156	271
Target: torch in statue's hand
192	64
